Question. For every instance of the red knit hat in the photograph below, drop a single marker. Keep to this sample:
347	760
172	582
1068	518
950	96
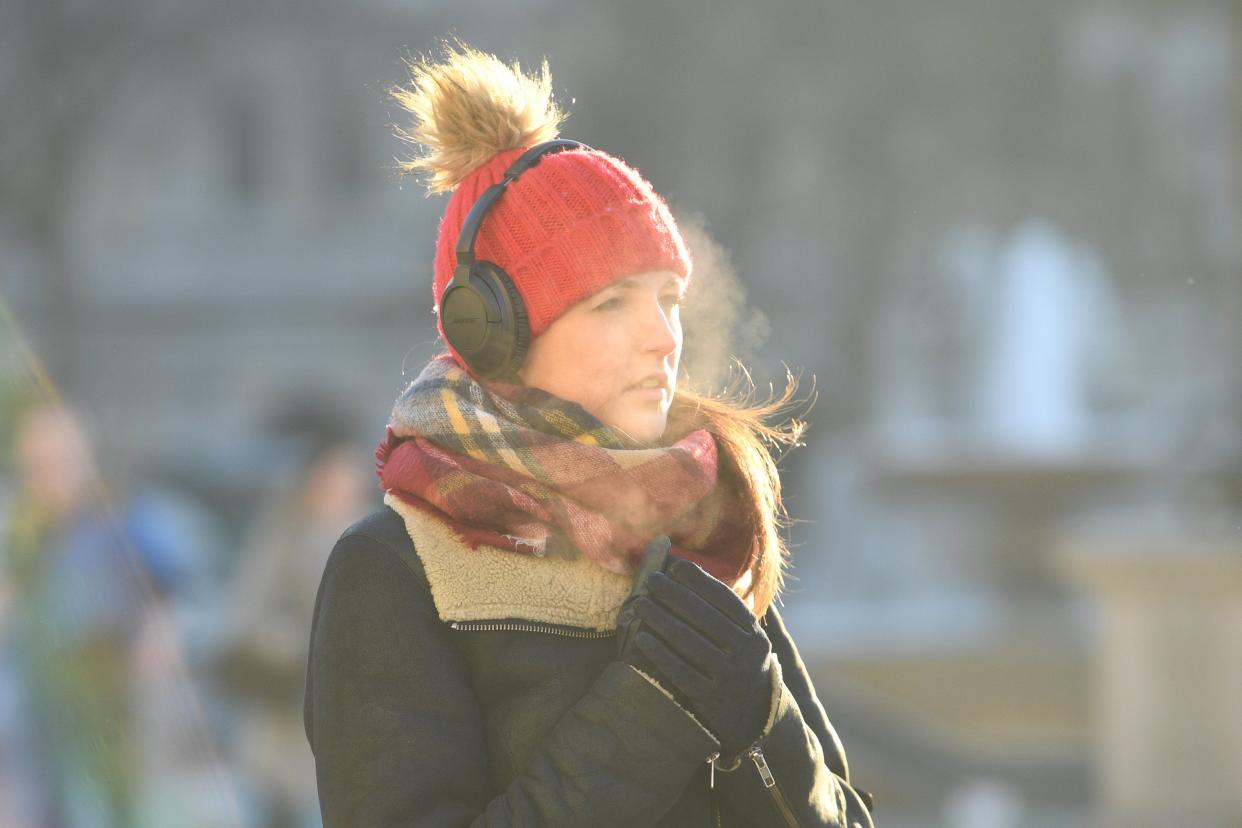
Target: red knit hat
575	222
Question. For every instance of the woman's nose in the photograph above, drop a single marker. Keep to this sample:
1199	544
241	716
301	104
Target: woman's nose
661	328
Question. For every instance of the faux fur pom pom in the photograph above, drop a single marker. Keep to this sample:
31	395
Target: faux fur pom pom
466	107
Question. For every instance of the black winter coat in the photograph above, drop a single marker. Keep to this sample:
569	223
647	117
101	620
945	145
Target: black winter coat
439	696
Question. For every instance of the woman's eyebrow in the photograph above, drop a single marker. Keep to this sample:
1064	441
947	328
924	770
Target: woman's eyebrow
629	283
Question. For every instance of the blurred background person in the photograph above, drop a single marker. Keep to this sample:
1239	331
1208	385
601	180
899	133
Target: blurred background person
320	486
70	606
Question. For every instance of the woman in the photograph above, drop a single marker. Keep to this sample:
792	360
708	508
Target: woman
564	616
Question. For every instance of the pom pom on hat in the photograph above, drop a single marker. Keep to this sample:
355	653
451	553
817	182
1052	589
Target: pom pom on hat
467	108
569	226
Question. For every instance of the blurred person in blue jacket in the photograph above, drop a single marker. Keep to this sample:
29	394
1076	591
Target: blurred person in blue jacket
70	603
182	777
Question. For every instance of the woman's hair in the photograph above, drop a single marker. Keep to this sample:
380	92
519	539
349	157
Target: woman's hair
747	433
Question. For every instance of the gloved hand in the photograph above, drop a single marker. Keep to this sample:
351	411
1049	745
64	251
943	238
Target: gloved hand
697	635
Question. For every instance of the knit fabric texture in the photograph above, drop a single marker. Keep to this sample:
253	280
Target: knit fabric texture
572	224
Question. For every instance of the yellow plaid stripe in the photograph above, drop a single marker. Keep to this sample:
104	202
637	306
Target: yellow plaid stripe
460	429
511	458
560	421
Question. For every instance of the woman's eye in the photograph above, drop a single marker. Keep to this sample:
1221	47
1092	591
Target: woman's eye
609	304
671	301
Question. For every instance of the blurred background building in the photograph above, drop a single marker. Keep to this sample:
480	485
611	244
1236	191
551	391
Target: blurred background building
1002	236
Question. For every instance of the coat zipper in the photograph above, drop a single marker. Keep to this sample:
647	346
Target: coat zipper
711	785
769	782
529	626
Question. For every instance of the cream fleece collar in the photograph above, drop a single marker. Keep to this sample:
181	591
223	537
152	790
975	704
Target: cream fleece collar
487	584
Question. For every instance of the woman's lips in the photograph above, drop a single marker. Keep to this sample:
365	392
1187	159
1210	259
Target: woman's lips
652	394
654	380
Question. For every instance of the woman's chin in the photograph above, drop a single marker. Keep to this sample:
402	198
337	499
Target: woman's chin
646	430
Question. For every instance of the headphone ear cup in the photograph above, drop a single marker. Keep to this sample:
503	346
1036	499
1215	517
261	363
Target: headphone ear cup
492	334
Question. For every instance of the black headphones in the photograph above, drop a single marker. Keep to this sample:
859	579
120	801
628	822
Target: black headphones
481	311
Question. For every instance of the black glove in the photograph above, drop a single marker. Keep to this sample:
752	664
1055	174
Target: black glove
696	634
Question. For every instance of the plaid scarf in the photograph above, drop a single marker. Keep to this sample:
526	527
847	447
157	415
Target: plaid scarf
520	469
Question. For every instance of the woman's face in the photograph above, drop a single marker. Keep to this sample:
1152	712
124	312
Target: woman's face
615	353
